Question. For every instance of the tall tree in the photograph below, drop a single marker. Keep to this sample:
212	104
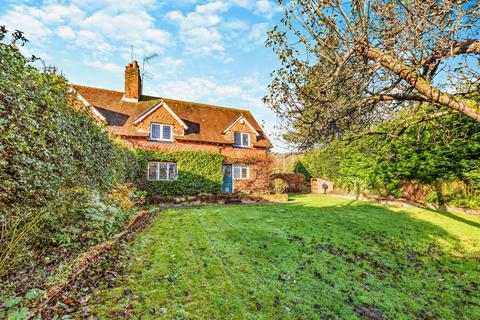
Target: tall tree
348	64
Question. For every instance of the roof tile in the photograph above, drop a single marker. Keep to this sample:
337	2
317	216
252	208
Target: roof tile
205	122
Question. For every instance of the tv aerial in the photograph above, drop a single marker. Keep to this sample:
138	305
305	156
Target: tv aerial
145	73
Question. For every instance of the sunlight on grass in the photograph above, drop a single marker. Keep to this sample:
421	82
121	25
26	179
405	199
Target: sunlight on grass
315	257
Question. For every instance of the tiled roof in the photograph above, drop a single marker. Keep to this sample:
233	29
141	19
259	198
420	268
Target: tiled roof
205	122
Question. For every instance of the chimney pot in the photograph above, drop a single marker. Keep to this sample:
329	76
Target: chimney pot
133	81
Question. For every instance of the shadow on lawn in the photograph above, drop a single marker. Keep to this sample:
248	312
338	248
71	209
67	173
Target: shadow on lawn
361	218
322	258
354	241
458	218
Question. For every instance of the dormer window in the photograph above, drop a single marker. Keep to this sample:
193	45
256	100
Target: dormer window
241	139
161	132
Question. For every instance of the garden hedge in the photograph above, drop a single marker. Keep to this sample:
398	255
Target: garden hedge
57	165
439	159
199	172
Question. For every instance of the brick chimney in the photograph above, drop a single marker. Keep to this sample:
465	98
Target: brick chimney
133	82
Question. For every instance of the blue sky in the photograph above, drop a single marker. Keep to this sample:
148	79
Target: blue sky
208	51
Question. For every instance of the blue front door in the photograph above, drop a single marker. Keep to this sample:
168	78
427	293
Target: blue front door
227	185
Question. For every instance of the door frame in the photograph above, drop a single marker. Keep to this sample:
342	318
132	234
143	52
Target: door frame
223	176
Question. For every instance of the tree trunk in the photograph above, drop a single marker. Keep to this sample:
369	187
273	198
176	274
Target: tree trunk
465	106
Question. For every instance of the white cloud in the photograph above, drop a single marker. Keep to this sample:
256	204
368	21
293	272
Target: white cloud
244	92
126	27
92	40
199	89
202	40
25	21
236	25
258	32
37	23
115	6
212	7
228	60
37	52
266	8
170	65
106	23
199	30
194	19
57	14
106	66
66	32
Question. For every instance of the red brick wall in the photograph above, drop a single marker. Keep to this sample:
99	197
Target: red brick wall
258	159
260	179
230	151
240	127
133	84
161	115
317	185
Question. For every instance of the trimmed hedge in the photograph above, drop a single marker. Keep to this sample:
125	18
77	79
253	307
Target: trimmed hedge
199	172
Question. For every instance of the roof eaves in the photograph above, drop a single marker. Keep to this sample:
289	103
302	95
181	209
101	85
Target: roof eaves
238	119
92	108
155	107
175	115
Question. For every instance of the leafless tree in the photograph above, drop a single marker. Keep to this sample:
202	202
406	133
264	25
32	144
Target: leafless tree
349	64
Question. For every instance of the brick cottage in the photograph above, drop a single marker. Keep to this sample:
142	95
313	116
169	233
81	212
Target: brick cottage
167	125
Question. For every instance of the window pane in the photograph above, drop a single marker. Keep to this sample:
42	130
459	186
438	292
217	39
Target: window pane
172	171
227	171
244	172
155	131
167	132
236	172
152	170
245	140
237	138
163	171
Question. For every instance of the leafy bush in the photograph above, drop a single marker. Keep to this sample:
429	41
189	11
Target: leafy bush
14	307
279	185
56	163
199	172
321	162
443	154
299	167
296	182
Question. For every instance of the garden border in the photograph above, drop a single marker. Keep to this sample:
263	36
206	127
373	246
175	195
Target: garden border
398	202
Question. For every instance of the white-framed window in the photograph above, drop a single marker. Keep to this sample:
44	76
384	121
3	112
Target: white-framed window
241	171
241	139
161	132
162	171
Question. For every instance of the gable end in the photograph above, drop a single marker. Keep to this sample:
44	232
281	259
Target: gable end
156	107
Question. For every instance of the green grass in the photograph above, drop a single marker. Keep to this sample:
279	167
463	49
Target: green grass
314	258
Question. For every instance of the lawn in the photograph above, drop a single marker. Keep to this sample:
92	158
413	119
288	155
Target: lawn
316	257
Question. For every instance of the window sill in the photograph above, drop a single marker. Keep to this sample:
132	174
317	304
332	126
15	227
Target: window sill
160	140
243	147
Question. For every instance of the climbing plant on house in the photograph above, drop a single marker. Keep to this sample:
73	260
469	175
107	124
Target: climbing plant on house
198	172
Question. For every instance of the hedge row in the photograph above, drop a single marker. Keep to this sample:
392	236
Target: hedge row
440	159
57	165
